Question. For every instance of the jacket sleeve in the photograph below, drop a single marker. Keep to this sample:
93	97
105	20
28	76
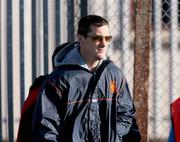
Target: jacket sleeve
171	137
125	111
46	119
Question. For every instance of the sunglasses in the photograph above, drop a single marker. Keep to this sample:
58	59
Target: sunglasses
100	38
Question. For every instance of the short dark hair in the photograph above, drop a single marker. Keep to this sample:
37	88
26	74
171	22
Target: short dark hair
87	21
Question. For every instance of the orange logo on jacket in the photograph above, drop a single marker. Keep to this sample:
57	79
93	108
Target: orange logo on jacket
113	88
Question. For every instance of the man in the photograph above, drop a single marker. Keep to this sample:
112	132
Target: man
66	111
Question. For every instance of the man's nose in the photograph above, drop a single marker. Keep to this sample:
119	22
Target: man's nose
103	43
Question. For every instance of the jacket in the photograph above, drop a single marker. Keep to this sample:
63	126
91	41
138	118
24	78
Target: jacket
65	113
25	124
175	128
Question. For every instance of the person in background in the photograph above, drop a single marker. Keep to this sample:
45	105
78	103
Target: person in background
86	97
174	135
25	124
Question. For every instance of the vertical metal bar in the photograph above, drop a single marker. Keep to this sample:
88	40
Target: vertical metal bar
128	53
39	37
9	71
58	18
121	33
83	7
70	15
173	49
157	46
34	40
21	27
141	64
154	43
158	51
4	68
0	81
45	24
105	7
27	45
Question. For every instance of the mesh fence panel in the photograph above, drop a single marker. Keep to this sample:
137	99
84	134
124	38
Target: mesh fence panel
165	67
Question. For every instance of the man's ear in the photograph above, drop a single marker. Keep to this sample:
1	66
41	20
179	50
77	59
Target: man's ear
81	38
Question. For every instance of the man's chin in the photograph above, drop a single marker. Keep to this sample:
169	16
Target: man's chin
101	57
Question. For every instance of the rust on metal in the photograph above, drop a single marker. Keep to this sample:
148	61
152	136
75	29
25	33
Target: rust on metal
141	64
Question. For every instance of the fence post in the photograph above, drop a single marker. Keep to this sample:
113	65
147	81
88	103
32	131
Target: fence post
70	15
9	72
0	82
141	64
83	8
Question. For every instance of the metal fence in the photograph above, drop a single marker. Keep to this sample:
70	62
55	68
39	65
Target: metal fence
165	65
30	30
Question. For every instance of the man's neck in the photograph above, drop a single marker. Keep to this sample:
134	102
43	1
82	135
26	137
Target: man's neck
93	65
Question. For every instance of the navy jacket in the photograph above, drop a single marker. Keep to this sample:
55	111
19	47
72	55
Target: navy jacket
65	113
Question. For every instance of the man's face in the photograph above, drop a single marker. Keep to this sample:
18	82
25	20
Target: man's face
97	41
